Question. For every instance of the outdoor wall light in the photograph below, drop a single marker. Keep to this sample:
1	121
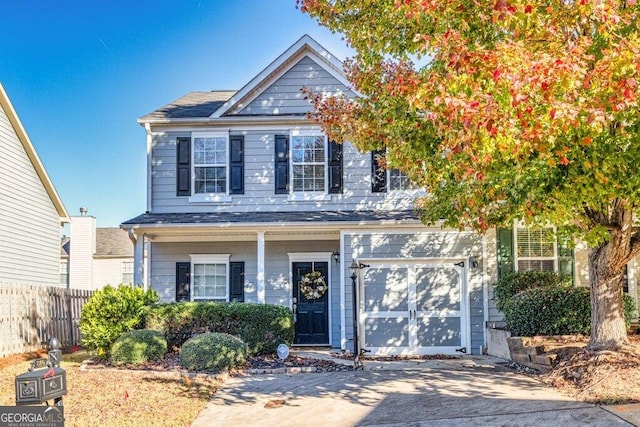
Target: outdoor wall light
358	265
336	257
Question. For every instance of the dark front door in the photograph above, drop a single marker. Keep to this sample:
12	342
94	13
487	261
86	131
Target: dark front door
312	315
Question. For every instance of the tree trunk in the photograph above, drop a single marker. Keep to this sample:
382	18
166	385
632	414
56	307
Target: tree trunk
608	329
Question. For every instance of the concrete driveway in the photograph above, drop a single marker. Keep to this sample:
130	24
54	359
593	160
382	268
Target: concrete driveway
465	392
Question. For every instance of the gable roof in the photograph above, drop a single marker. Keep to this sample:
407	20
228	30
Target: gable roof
221	105
305	46
21	133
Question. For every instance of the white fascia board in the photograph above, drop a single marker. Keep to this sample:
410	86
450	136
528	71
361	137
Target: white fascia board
399	227
304	46
228	121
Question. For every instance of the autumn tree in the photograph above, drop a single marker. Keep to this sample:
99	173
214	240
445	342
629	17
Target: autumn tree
504	110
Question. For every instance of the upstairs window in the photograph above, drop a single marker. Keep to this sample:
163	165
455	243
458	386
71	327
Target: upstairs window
383	179
210	164
308	163
398	180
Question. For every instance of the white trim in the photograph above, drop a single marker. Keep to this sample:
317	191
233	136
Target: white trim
309	256
411	264
138	261
485	292
209	259
305	46
343	289
632	282
518	225
314	257
260	276
209	197
309	195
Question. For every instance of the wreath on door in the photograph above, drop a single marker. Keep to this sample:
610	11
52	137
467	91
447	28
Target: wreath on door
313	285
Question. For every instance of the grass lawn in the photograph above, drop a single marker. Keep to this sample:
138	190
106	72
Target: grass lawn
118	398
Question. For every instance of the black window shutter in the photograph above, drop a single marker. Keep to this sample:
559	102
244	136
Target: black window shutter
236	281
236	164
335	167
505	251
378	173
183	281
183	170
282	164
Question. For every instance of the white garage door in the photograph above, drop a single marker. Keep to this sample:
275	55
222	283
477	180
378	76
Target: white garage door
415	307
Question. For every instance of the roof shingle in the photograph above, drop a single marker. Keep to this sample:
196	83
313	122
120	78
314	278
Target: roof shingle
192	105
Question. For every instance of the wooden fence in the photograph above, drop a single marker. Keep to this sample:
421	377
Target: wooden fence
31	315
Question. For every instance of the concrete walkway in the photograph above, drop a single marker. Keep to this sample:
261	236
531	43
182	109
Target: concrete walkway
471	391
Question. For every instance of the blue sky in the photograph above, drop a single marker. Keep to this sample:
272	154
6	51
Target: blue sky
79	74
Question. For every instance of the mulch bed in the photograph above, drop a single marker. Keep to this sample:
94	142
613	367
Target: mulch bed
171	363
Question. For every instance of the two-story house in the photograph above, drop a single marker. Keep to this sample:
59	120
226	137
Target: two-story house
246	196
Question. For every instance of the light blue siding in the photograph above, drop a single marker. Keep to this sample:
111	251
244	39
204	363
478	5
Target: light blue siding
284	96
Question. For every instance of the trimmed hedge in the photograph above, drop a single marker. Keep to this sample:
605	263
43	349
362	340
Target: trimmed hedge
511	284
544	303
110	312
138	346
212	351
261	326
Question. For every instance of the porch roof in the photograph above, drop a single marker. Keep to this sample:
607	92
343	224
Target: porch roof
149	220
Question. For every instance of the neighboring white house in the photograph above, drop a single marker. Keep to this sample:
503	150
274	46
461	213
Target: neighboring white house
246	196
92	257
32	212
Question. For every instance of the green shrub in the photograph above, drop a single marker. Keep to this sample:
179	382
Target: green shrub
263	327
110	312
511	284
212	351
555	310
138	346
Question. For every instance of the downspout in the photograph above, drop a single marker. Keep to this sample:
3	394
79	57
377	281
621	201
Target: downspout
138	259
147	128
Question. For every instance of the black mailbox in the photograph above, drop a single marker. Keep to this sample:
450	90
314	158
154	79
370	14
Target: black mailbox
41	385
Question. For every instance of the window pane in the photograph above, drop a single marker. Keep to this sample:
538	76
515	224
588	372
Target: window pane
398	180
210	180
210	160
308	160
210	281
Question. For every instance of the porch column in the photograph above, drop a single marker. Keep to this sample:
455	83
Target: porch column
260	276
138	262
